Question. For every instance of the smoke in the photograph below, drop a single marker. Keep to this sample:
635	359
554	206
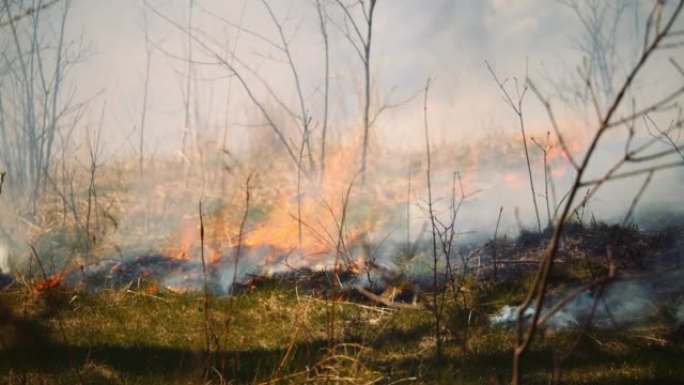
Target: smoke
620	304
617	304
9	251
446	42
626	303
4	258
680	315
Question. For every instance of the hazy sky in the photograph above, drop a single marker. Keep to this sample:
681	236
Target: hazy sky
445	40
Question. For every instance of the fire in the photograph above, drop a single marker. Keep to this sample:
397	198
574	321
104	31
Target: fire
283	228
288	219
188	237
48	283
295	219
187	243
152	289
308	222
515	180
557	159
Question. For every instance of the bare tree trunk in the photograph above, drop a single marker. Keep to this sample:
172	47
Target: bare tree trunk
326	91
188	77
367	78
433	220
362	46
143	115
55	94
94	152
37	88
229	95
517	107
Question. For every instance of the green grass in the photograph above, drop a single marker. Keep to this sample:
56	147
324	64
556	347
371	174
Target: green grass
134	337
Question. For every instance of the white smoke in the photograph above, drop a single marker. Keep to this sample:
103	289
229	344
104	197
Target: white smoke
680	315
627	302
4	258
621	303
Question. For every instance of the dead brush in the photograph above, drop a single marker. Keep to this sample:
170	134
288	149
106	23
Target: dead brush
343	363
658	28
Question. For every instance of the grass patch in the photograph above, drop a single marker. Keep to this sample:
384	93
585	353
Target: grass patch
134	337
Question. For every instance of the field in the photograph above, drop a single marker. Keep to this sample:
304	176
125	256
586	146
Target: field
296	327
341	192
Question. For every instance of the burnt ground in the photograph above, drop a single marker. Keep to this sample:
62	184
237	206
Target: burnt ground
121	326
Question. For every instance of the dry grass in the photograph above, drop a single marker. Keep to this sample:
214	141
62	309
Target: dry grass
279	329
279	335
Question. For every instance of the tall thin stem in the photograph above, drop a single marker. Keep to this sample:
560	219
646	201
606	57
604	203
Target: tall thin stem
433	221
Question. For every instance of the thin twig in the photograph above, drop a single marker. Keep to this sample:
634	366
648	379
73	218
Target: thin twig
538	289
630	212
495	244
205	287
517	107
433	221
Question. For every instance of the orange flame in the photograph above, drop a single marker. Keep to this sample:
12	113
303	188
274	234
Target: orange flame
48	283
300	220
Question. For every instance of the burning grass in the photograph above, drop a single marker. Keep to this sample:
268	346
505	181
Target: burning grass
118	297
277	329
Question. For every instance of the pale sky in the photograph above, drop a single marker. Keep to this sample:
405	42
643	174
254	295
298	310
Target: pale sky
445	40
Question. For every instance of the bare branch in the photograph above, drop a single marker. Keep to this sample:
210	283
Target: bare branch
345	9
554	124
677	66
262	108
517	108
633	173
326	93
538	289
304	119
630	212
661	105
389	106
240	27
24	13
